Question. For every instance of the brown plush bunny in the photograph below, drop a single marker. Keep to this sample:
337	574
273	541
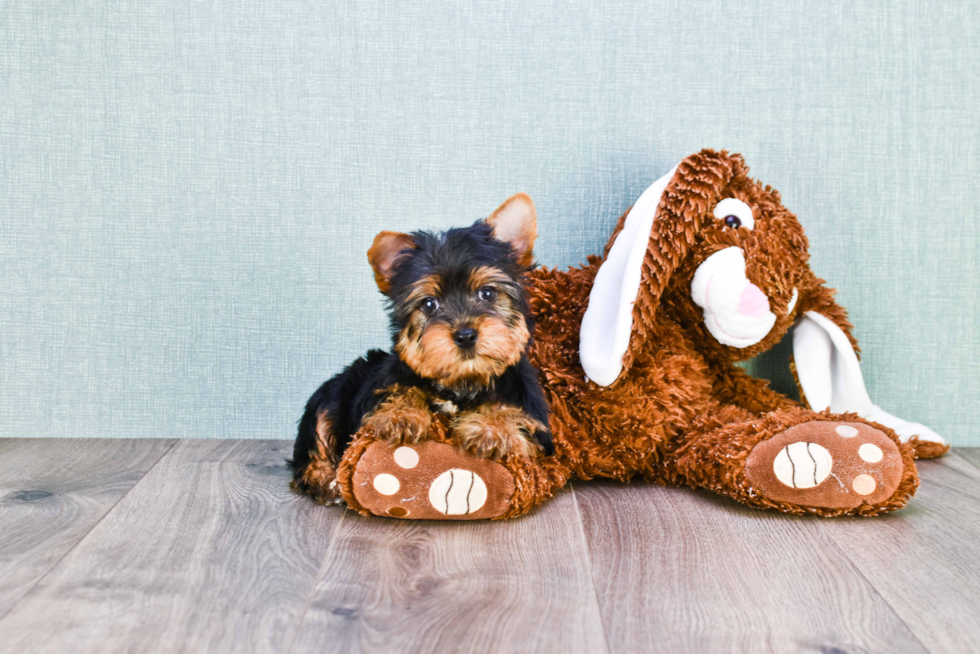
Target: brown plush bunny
637	353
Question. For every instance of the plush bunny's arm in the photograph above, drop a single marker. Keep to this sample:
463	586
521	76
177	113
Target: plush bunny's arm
735	386
830	377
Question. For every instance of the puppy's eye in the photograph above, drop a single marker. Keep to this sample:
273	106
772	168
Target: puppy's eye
734	213
487	294
429	306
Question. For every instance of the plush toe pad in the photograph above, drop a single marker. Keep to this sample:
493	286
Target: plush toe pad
430	481
826	464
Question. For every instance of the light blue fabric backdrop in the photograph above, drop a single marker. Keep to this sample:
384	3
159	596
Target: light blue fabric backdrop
187	189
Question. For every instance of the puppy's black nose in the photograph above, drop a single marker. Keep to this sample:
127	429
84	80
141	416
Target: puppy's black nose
465	337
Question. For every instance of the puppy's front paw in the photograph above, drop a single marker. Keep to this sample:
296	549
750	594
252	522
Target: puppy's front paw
496	431
402	418
399	426
318	480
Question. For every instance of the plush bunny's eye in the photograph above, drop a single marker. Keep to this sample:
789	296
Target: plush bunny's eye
734	213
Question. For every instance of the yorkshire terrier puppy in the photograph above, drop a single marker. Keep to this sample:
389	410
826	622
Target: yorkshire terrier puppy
460	331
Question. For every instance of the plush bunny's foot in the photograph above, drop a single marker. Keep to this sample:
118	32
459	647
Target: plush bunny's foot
430	481
828	465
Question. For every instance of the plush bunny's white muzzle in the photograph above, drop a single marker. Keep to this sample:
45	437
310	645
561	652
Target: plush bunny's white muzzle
736	311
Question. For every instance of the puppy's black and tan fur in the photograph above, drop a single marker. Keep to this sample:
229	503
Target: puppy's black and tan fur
460	330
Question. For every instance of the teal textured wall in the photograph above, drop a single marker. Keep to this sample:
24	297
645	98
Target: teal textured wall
187	189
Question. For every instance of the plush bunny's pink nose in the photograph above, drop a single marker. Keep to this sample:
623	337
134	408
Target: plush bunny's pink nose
753	302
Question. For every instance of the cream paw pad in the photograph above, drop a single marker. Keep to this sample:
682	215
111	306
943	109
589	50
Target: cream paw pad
826	464
430	481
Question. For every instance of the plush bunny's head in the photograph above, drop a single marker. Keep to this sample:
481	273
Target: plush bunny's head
710	249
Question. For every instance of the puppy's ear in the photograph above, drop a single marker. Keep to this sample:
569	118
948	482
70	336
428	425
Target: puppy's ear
516	222
648	245
383	254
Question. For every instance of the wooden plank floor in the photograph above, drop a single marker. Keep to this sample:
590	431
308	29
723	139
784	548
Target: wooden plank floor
198	546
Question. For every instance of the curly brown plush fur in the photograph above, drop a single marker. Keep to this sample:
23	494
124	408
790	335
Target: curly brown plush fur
681	411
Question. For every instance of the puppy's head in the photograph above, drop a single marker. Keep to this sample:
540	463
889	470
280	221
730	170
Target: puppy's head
459	312
712	249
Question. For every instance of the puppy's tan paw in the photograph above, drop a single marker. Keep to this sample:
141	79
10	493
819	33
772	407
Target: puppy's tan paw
399	425
402	418
497	431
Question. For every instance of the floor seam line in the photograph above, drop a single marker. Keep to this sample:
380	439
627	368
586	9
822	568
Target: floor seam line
88	533
588	562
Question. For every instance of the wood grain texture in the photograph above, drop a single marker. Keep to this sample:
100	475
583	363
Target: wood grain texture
971	454
52	492
210	552
684	571
515	586
925	559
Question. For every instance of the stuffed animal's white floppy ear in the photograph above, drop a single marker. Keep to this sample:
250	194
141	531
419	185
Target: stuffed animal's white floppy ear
830	377
827	366
516	222
608	321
